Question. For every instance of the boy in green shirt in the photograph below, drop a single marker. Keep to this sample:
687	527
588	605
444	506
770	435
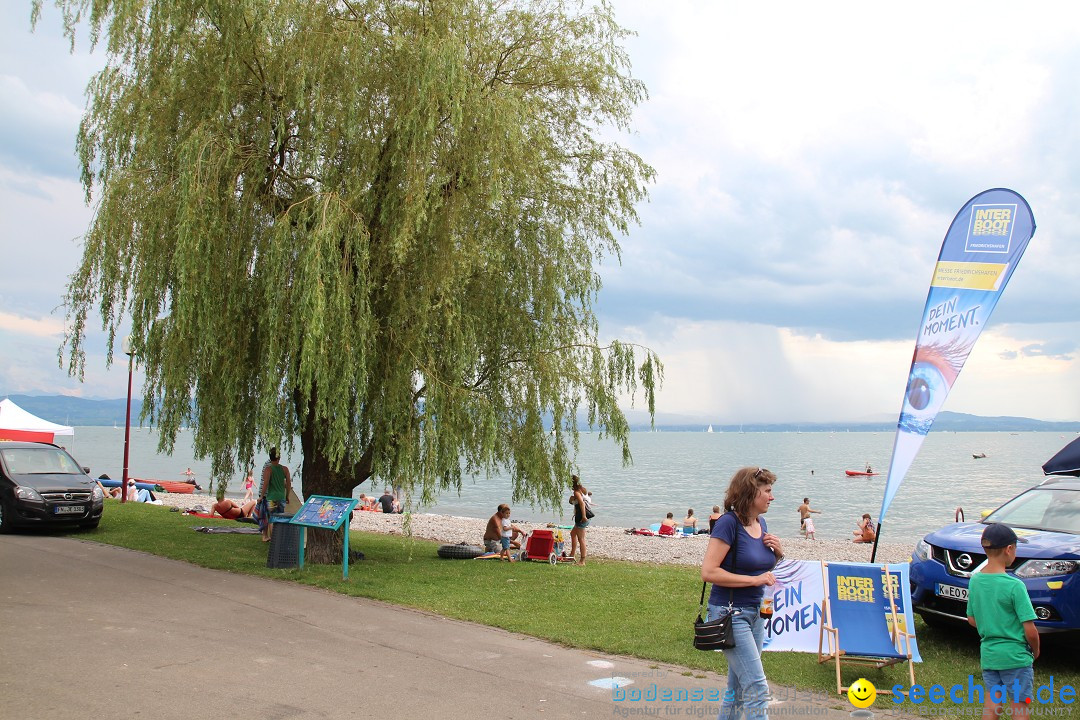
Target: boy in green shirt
1000	609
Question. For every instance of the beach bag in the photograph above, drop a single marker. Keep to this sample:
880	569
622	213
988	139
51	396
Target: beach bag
716	634
589	514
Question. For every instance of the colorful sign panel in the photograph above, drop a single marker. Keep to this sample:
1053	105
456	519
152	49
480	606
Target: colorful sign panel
797	601
978	256
321	511
798	598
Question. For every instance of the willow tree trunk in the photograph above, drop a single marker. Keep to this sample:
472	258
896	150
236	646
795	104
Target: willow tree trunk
325	546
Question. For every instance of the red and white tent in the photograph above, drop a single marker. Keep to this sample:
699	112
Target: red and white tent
17	424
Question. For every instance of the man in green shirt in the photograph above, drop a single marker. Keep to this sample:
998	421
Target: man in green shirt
276	481
1000	609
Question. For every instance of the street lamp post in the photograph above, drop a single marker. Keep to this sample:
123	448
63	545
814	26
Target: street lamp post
127	421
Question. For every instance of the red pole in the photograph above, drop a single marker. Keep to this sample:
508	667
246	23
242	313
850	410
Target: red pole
127	434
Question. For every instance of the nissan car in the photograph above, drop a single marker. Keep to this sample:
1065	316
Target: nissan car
1046	519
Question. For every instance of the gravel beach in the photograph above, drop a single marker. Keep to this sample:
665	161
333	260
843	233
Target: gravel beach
605	542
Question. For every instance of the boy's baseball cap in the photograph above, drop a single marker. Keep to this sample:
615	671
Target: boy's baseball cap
999	535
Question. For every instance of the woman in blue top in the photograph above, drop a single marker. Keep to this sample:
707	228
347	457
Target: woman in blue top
741	581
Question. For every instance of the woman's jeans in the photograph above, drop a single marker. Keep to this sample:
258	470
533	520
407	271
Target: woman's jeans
747	689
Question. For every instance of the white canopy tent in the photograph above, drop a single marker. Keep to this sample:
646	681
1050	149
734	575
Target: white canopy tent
18	424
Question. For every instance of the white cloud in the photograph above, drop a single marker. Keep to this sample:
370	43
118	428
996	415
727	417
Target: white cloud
810	160
37	327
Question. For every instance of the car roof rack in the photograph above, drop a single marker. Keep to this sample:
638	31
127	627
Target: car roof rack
1055	479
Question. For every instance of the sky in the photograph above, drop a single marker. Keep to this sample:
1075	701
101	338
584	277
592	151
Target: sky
810	158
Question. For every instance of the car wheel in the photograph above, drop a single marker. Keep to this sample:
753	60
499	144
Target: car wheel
937	623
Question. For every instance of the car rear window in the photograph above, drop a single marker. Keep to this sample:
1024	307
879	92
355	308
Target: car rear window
39	461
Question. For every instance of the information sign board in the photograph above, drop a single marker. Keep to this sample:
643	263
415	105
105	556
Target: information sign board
321	511
327	513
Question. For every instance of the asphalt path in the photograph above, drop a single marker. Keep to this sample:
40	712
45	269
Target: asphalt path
93	631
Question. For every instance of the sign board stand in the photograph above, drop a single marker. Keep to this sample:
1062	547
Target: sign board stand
326	513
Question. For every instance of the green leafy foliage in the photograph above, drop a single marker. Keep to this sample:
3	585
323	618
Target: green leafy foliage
371	225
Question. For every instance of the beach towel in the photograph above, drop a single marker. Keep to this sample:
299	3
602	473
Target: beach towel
261	513
208	516
226	529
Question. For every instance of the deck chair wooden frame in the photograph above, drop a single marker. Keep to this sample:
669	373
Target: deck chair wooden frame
901	639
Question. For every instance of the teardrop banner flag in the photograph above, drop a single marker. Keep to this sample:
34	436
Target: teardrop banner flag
982	248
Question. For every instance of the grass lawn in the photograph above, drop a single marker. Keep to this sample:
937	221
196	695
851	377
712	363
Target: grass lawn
614	607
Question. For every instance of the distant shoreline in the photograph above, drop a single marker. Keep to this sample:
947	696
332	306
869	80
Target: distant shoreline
82	412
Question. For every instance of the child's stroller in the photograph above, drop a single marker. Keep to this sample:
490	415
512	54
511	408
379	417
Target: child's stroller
543	544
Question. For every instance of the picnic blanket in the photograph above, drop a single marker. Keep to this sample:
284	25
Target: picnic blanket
223	529
209	516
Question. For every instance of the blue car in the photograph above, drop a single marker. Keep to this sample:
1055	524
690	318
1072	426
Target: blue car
1047	517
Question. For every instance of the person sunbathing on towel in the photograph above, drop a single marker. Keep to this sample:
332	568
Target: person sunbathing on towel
109	492
668	525
230	510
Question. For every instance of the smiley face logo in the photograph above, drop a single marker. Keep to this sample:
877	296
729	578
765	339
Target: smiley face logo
862	693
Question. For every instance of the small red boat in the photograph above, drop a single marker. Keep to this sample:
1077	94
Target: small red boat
860	473
172	486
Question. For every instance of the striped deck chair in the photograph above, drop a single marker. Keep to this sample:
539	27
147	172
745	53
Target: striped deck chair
861	625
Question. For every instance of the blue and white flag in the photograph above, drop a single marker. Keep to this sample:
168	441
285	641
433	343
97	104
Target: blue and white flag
982	248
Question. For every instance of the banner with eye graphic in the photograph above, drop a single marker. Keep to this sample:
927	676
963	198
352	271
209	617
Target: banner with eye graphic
982	248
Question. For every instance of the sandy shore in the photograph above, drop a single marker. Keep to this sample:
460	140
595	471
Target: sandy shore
604	542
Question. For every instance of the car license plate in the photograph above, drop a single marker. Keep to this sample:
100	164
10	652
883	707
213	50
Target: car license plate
951	591
69	509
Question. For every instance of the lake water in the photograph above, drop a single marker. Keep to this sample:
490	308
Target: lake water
676	471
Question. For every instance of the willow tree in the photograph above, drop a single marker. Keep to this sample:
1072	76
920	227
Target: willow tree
372	225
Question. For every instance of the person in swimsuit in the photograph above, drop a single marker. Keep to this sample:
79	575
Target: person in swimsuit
714	517
804	513
276	480
581	522
689	523
249	484
230	510
668	525
494	531
864	532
